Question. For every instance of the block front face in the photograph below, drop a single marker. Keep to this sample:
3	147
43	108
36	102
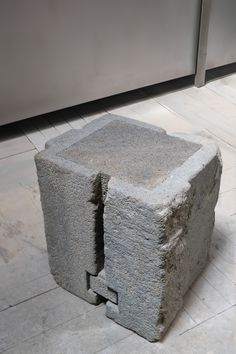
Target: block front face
69	206
131	153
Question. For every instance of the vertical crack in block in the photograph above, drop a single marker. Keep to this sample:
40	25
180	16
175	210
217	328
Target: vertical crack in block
98	282
98	198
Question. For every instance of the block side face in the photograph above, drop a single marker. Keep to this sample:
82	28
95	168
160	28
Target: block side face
133	263
205	190
152	258
132	153
188	228
69	214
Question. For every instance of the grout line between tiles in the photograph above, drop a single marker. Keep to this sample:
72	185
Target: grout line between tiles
18	153
183	307
108	346
210	318
218	94
49	329
223	273
28	299
217	290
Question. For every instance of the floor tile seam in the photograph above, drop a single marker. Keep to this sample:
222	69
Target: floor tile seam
116	342
223	273
223	296
44	331
16	154
208	319
28	299
220	95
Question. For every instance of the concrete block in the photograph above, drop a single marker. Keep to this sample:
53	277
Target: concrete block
129	213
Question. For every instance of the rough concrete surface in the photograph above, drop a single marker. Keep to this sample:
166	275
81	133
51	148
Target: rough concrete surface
126	202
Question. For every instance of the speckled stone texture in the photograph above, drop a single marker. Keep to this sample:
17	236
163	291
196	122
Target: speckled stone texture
129	213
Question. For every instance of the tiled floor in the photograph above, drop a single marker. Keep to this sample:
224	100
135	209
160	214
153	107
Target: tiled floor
39	317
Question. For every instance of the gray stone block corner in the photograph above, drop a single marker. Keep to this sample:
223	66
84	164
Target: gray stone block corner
129	213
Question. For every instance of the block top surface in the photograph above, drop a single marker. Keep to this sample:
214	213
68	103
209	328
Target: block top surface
132	153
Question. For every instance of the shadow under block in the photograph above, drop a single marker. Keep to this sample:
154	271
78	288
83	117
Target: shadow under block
129	213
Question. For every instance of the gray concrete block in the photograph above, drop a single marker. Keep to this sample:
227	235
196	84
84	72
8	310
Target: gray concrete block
129	212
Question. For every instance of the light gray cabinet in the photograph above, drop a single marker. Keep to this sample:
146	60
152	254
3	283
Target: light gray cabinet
221	49
58	53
